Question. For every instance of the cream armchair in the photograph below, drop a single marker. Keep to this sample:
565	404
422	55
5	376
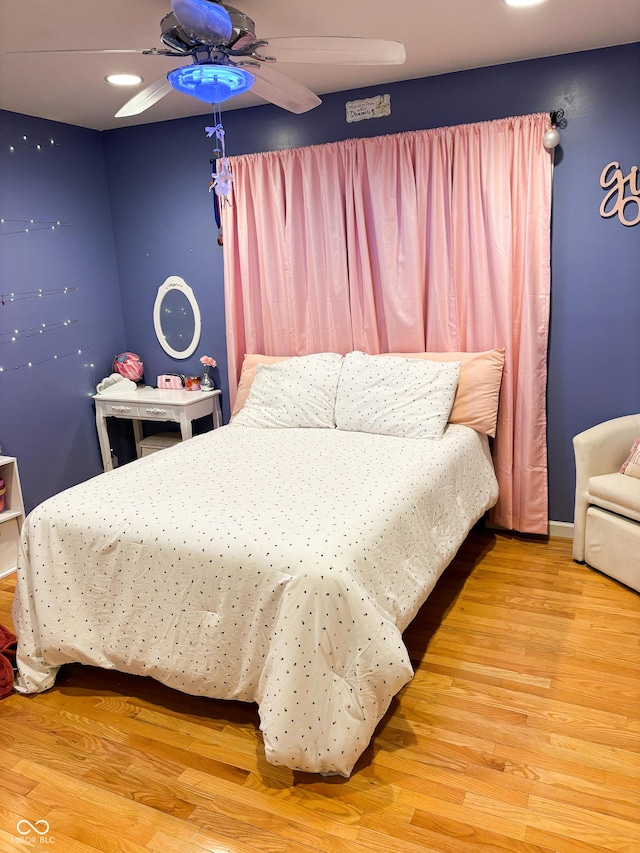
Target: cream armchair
606	527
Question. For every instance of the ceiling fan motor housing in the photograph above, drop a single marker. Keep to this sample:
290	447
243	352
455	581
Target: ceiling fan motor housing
174	36
205	20
184	39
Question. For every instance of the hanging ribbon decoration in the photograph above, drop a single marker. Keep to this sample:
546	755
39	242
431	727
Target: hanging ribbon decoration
216	215
221	177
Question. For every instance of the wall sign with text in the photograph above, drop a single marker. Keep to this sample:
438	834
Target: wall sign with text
376	107
623	198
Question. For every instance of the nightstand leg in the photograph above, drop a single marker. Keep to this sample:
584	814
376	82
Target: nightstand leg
216	414
186	426
137	434
105	447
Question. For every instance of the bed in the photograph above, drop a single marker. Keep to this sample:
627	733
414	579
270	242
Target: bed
271	565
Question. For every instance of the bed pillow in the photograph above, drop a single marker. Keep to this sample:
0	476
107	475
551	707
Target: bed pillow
248	374
295	392
476	401
409	398
631	465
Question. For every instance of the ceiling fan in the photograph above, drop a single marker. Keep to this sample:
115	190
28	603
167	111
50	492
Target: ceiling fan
227	58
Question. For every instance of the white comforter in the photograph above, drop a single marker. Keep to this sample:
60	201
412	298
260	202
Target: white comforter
266	565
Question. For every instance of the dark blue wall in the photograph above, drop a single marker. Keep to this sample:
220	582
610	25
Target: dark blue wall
56	173
158	177
164	225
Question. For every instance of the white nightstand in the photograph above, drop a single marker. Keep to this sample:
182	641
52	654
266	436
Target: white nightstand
154	404
12	517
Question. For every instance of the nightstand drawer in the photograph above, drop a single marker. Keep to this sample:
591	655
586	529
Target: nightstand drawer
121	410
142	411
154	412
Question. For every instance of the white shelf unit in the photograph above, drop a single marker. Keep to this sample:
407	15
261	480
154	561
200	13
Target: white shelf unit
12	517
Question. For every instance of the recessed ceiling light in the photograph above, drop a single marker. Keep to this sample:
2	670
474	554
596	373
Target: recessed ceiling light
524	2
123	79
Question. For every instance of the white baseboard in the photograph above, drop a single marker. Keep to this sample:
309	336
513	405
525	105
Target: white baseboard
557	529
7	572
561	529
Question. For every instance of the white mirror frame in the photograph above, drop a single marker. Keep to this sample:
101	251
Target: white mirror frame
174	282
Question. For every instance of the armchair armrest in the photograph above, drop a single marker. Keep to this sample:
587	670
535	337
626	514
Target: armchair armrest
599	450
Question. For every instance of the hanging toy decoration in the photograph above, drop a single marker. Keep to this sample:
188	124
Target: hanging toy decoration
216	212
223	179
221	176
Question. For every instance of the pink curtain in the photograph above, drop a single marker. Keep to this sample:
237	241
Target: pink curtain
424	241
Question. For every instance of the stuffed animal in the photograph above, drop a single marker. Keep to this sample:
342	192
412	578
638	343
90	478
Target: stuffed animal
8	645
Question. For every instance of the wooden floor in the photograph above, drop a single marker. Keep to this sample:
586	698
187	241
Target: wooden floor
520	732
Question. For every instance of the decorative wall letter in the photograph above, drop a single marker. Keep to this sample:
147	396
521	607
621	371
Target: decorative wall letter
613	180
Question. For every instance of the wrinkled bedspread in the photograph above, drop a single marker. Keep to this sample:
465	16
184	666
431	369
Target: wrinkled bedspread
271	566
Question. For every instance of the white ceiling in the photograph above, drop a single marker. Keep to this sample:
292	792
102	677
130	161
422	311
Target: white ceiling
439	35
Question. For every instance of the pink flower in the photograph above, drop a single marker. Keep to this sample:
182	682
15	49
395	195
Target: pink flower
210	362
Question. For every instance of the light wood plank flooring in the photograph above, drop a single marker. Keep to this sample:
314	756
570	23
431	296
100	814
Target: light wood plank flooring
519	732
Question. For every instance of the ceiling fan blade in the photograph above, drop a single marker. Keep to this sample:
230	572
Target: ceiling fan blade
283	91
73	50
146	98
205	20
333	50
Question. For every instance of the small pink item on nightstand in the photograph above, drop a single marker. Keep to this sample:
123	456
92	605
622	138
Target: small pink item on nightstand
192	383
129	365
173	381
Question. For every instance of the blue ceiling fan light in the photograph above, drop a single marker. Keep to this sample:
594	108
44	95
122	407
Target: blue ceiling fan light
211	83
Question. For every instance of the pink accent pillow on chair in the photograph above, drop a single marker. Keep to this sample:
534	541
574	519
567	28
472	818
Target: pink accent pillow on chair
631	465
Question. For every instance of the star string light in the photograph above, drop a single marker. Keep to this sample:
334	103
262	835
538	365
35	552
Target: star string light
27	142
18	334
31	225
85	352
34	294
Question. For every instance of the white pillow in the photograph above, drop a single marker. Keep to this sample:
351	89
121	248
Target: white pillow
406	397
298	392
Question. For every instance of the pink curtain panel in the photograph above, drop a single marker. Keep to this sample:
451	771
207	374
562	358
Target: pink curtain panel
435	240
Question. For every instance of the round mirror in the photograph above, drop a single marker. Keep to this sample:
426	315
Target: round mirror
176	318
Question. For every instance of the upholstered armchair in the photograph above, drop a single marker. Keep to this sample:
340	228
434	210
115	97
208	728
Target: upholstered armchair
606	527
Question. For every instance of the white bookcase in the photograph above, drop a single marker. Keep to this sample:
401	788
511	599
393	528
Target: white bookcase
12	517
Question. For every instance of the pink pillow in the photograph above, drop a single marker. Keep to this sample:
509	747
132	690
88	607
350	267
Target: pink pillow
631	465
476	401
248	374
